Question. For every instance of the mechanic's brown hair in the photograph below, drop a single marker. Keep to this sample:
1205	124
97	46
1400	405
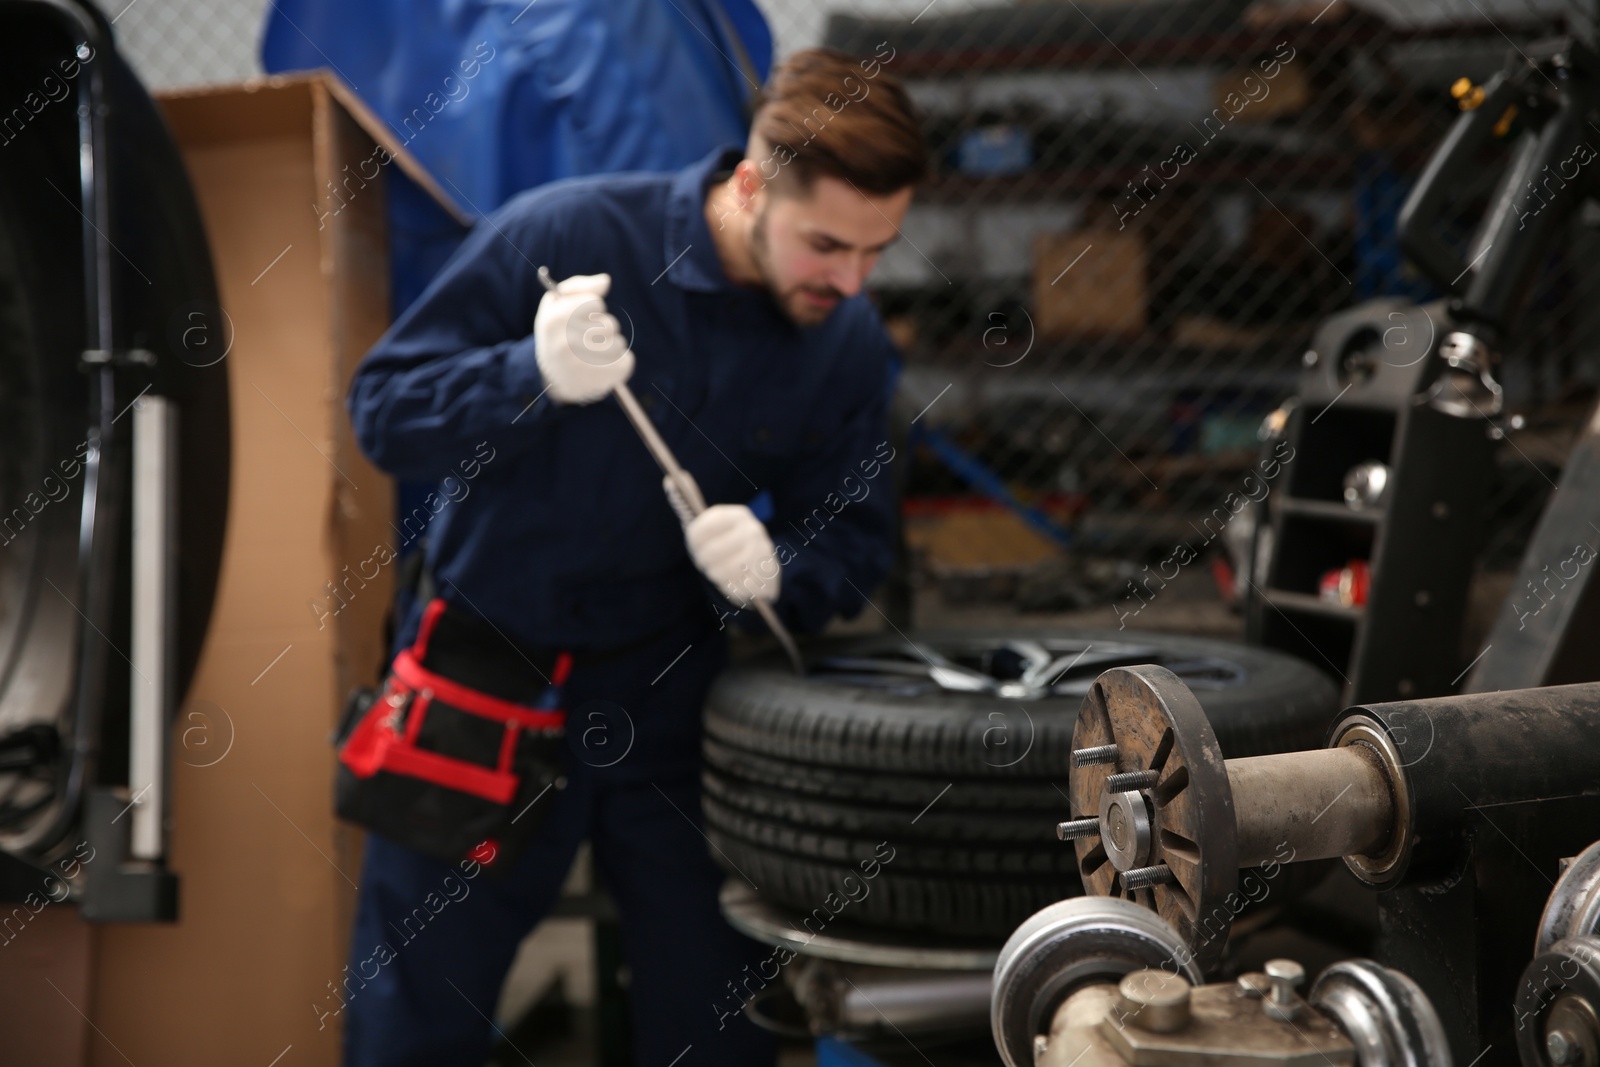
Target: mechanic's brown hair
824	111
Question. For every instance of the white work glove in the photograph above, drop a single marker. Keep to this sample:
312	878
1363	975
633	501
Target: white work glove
729	545
579	345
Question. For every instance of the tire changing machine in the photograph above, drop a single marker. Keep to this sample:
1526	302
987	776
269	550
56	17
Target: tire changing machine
867	995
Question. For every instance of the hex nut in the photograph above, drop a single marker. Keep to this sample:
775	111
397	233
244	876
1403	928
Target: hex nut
1285	976
1254	984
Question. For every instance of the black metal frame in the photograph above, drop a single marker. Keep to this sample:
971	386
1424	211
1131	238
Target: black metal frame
1364	369
132	195
1405	641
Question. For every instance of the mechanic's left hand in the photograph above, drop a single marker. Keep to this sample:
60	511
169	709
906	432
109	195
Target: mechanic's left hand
731	547
578	344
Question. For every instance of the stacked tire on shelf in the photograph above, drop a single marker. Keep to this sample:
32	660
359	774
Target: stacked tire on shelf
807	779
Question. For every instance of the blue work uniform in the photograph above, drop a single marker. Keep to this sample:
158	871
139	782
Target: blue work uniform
550	522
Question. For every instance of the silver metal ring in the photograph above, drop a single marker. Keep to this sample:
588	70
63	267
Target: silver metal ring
1382	869
1386	1015
1066	946
1573	909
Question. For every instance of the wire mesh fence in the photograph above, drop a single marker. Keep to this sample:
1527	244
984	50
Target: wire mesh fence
174	43
1139	214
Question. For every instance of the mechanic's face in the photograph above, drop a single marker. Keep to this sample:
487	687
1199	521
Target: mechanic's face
816	247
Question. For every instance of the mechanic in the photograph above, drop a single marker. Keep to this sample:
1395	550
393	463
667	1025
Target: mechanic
729	296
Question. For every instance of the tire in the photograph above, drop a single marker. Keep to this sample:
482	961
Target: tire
65	607
806	777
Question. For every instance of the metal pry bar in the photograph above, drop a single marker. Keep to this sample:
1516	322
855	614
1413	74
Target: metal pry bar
672	469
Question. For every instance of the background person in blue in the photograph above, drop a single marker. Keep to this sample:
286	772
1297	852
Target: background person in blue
729	296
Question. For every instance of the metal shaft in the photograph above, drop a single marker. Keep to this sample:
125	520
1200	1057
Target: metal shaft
150	695
1320	804
926	1001
651	437
671	468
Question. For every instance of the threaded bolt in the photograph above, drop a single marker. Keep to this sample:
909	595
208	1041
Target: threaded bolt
1128	780
1285	976
1076	828
1088	757
1145	877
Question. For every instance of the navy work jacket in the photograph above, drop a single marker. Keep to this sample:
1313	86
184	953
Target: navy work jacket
550	520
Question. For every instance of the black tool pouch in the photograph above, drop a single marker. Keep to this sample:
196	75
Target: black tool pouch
460	752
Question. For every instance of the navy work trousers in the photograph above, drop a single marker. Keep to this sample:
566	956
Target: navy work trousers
441	943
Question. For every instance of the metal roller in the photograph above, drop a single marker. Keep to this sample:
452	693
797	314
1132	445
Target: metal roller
1070	945
1100	982
1573	909
1558	1006
1450	758
1558	998
1385	1014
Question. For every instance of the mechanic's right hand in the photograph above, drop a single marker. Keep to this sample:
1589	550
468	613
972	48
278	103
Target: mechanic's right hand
731	547
579	345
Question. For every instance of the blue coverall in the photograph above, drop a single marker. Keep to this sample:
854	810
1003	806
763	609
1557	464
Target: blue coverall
551	523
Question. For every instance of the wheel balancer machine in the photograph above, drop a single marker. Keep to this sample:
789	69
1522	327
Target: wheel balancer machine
1459	809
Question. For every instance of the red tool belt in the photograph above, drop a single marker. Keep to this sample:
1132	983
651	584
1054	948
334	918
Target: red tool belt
460	751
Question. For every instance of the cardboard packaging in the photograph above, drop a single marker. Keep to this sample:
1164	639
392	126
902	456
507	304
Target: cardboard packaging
254	967
1245	95
1091	283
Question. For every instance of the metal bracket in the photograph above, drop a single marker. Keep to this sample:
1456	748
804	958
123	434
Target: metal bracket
118	357
117	888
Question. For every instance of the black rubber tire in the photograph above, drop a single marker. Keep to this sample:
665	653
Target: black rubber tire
972	906
804	777
946	821
66	670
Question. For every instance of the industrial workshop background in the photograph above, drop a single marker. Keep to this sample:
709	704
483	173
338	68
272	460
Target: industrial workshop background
1139	214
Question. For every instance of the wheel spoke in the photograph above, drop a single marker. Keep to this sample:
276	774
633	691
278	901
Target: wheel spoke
1038	660
1053	669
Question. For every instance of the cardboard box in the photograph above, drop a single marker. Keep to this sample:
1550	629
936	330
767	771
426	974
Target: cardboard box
977	552
986	536
268	875
1208	331
1090	283
1246	95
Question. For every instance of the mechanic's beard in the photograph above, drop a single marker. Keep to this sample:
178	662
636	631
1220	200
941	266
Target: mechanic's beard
793	302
